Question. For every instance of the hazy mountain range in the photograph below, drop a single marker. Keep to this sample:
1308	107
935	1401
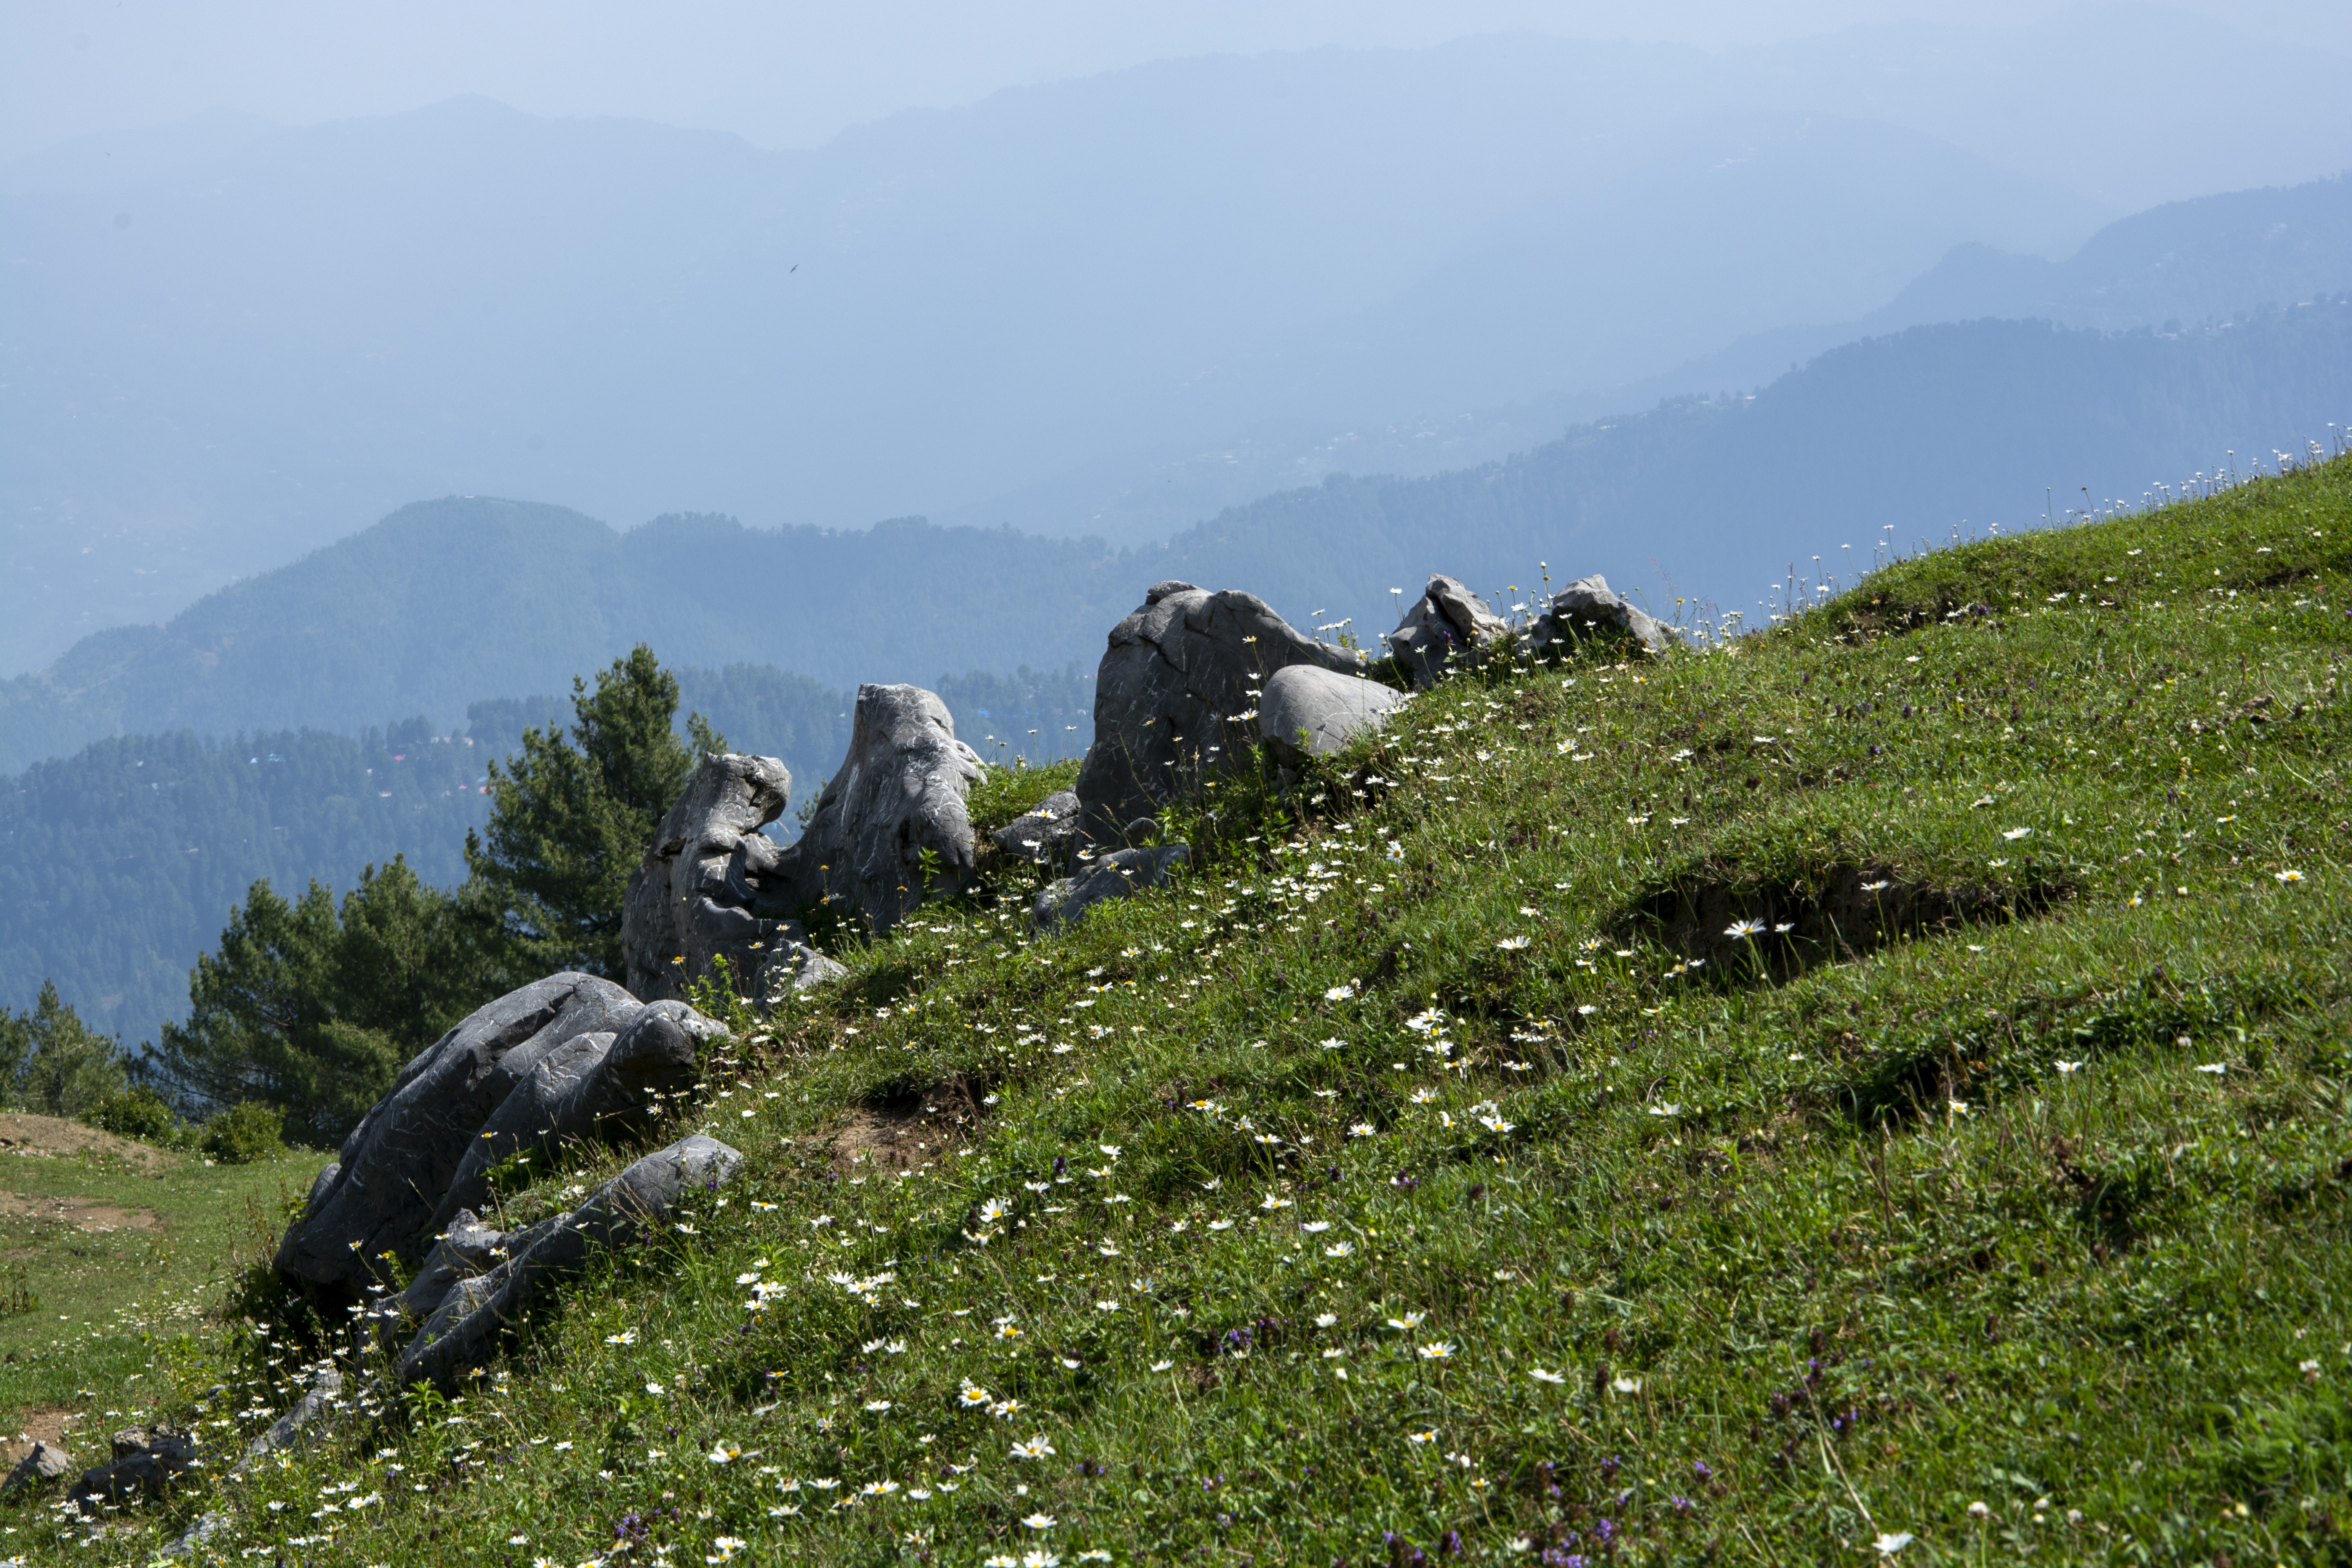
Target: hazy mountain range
1707	500
229	343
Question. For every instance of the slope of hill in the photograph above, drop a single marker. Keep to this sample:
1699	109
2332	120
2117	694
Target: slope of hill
1831	1100
1923	430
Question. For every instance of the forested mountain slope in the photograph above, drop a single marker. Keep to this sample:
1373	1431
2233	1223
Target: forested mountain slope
1925	430
119	863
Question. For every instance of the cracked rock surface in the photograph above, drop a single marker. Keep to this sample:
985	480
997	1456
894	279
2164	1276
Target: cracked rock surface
463	1326
1448	625
1175	695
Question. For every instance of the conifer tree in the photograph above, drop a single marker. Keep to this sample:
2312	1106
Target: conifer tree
313	1008
53	1064
571	818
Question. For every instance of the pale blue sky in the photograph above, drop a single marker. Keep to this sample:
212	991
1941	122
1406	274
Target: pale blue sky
794	73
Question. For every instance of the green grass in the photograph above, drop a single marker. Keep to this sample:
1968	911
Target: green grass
1998	1201
83	1311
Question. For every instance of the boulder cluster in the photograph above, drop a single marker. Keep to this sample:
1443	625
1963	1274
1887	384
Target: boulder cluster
1189	683
566	1059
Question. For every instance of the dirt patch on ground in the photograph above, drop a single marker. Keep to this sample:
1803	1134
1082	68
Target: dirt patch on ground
24	1134
55	1425
82	1213
906	1134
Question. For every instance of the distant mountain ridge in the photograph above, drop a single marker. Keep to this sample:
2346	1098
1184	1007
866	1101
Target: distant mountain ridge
2188	262
233	358
448	601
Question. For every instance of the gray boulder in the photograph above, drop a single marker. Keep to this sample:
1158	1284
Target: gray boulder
1447	626
468	1248
593	1086
464	1327
1118	875
144	1461
1173	699
1587	608
1042	836
692	898
294	1426
1309	712
44	1463
387	1182
900	794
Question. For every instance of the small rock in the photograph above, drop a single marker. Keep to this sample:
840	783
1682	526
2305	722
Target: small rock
47	1462
1042	836
1588	608
468	1248
142	1466
793	966
1117	875
1447	627
290	1429
1329	708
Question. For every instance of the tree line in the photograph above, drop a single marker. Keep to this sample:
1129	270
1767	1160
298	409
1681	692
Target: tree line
119	863
311	1005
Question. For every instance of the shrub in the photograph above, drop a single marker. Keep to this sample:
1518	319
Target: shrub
136	1112
244	1133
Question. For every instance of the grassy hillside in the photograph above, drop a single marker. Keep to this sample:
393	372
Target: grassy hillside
1451	1166
109	1250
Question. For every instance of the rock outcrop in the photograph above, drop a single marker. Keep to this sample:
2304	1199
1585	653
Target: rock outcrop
45	1462
1308	711
1044	834
461	1326
890	829
144	1461
1118	875
686	903
387	1190
1447	627
1174	696
1588	608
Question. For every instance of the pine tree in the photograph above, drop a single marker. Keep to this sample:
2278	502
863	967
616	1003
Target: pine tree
312	1008
53	1064
570	819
